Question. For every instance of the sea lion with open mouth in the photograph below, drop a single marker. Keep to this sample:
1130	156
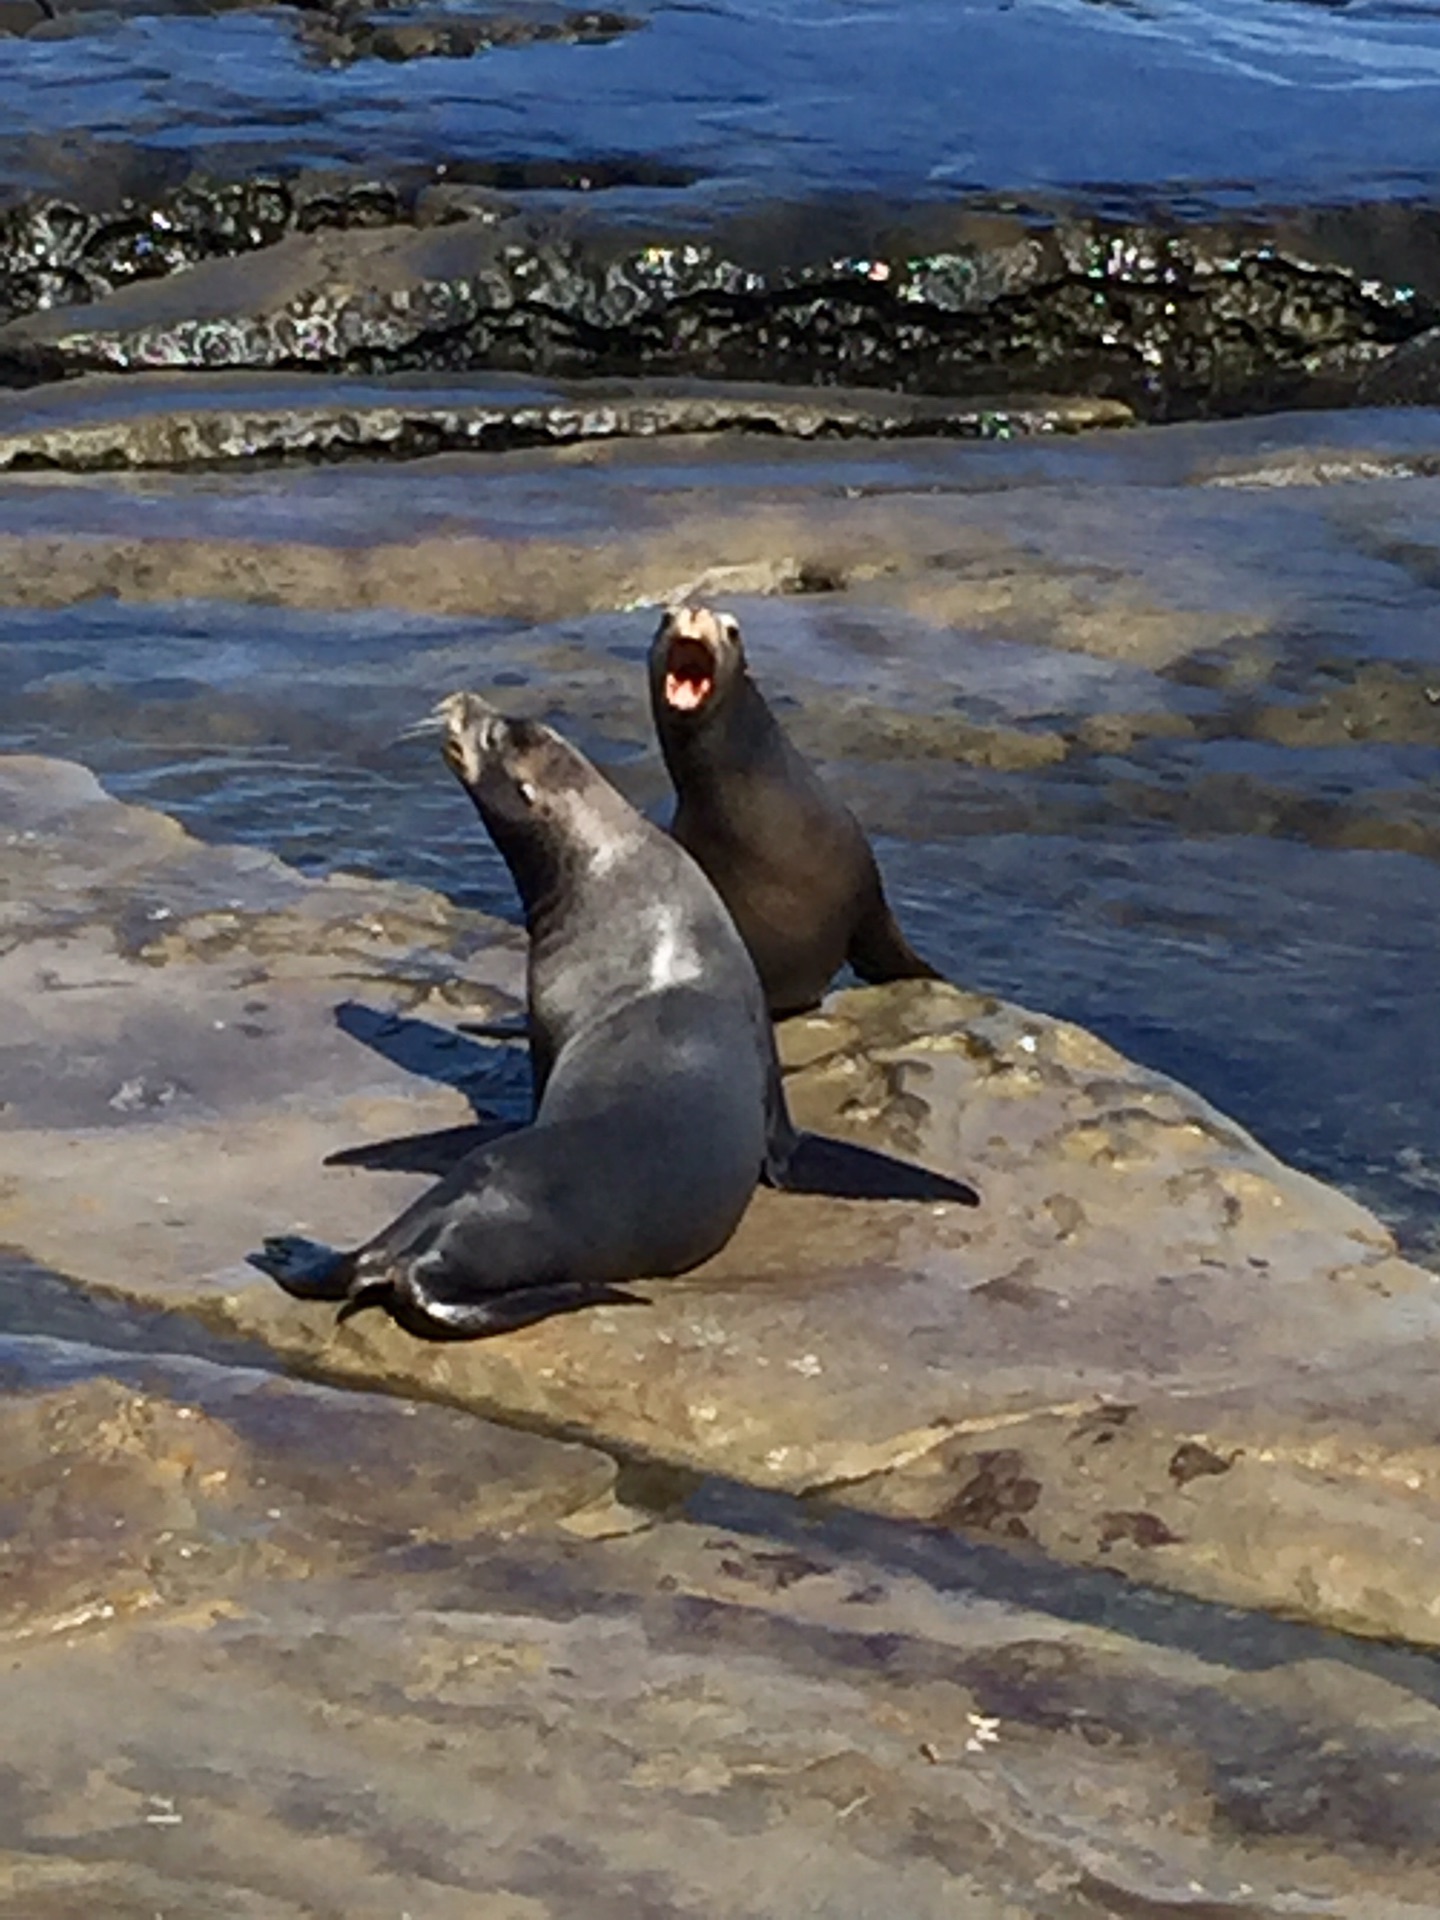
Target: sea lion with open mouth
788	859
659	1100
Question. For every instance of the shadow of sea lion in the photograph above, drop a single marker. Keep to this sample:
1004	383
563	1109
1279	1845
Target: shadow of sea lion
495	1080
838	1169
434	1153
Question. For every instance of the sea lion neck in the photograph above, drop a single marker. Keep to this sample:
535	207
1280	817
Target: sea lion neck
553	860
536	862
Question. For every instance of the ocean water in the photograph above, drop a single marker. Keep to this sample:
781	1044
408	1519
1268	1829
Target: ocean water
1203	104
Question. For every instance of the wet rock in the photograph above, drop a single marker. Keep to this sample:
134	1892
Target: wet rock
1141	627
1143	1283
1407	377
122	1498
189	420
1172	320
20	16
345	33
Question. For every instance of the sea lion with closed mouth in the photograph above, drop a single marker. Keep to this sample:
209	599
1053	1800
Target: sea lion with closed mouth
658	1091
788	859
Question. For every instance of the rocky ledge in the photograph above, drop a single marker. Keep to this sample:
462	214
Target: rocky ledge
444	274
160	421
1154	1349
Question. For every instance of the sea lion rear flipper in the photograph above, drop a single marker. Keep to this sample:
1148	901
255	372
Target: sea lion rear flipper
879	951
308	1269
431	1316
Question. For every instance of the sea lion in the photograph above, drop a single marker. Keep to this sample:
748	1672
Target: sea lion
788	859
658	1093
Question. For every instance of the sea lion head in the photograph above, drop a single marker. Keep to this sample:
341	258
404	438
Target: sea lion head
695	658
544	805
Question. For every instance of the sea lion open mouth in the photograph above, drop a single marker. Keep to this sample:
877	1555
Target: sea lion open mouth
689	674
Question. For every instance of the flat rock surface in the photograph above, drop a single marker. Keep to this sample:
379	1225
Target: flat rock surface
278	1652
1152	1349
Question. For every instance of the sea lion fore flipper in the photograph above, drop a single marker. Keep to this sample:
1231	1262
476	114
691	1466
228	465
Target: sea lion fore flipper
879	951
782	1136
844	1170
518	1030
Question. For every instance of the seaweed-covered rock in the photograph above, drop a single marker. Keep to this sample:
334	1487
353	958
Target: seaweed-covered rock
1174	320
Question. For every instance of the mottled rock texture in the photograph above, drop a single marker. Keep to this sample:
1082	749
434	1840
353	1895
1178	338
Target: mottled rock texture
277	1652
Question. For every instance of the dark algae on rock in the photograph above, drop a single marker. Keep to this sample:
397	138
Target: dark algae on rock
1174	319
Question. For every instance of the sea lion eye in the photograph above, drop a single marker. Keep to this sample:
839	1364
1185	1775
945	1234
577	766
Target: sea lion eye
730	627
528	791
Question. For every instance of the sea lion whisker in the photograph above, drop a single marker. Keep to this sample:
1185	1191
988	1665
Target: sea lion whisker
436	721
451	713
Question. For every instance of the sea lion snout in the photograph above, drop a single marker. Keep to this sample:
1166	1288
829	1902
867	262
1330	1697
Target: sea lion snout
694	652
475	735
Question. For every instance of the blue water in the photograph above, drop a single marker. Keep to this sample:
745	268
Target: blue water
1208	105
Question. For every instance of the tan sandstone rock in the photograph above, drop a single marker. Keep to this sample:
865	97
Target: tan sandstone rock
1152	1349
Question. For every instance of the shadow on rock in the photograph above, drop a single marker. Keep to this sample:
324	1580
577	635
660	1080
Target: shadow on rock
841	1170
835	1169
485	1075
